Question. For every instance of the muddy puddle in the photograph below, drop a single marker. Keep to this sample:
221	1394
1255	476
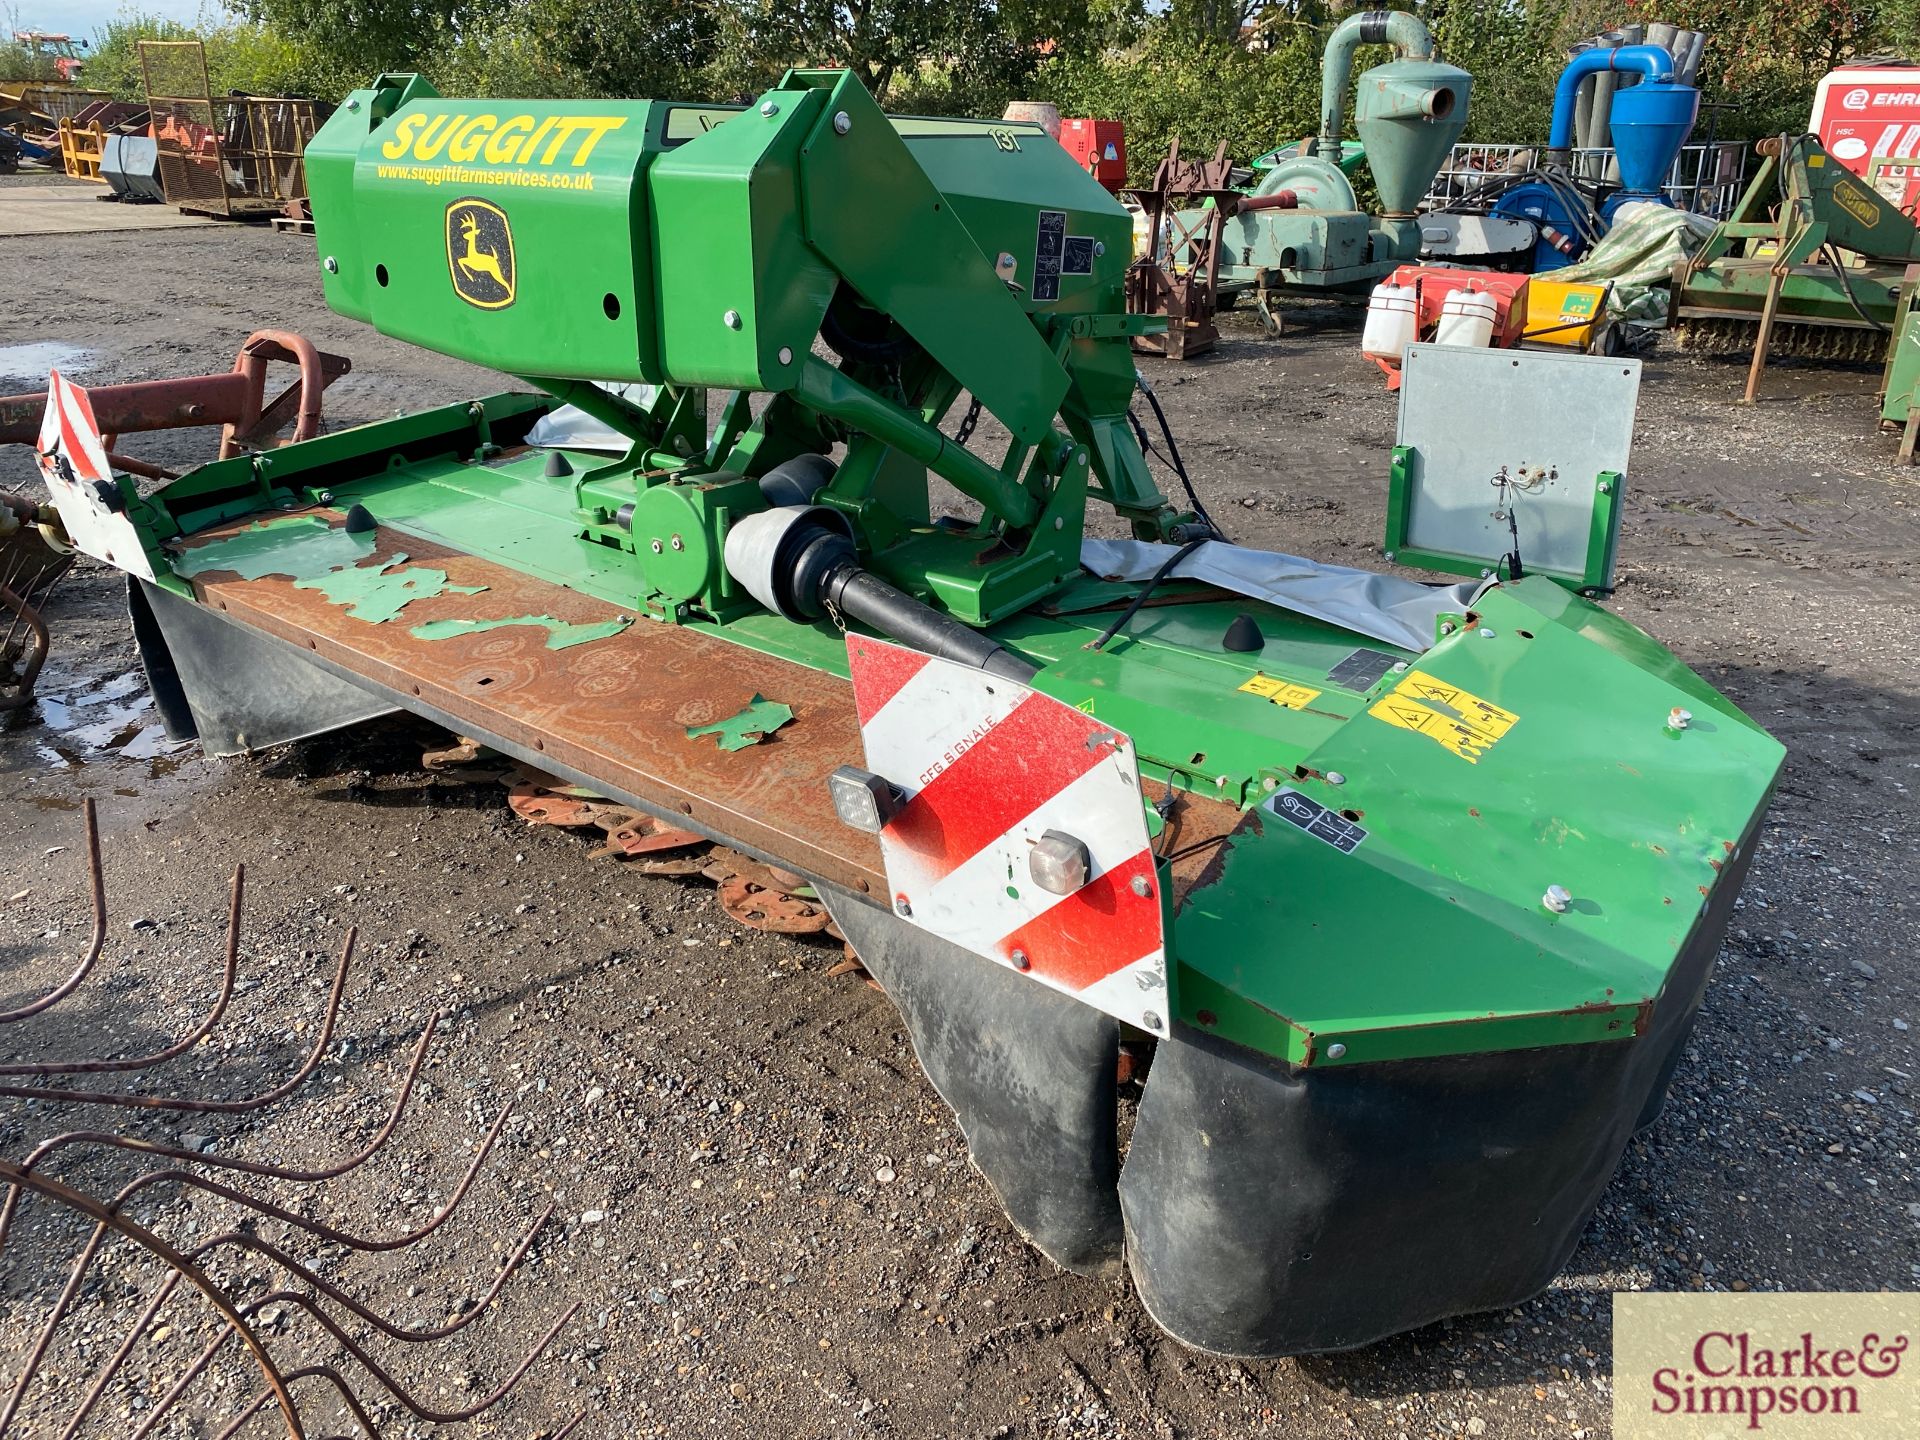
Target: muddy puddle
33	360
79	721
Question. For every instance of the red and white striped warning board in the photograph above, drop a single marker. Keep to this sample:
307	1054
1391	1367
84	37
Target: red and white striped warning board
73	462
988	766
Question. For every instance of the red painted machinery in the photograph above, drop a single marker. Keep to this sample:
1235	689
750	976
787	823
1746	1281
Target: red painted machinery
1100	146
1433	284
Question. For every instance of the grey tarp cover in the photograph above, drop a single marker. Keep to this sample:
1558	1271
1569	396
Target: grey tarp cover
1399	612
1637	257
570	428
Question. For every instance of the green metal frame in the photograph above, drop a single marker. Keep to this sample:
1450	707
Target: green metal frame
1800	201
1900	378
1603	534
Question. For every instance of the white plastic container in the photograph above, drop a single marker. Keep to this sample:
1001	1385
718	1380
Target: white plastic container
1466	318
1392	321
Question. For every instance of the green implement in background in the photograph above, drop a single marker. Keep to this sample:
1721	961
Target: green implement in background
1808	264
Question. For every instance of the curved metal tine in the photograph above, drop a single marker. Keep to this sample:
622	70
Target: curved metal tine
274	1253
17	598
16	608
12	1174
181	1046
379	1322
412	1402
107	1219
97	879
211	1107
306	1372
10	1205
305	1302
315	1227
119	1357
579	1419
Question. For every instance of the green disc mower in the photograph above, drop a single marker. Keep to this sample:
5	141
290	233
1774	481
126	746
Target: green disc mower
1412	892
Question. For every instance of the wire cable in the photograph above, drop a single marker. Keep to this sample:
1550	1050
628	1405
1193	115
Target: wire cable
1147	589
1173	459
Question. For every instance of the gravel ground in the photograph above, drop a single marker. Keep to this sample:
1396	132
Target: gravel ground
762	1209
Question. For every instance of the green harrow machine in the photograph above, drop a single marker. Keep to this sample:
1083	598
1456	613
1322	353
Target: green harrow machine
1808	265
1413	890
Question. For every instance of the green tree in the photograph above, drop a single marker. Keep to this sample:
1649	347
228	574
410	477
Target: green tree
1763	58
348	42
1515	50
240	56
984	48
1202	91
567	48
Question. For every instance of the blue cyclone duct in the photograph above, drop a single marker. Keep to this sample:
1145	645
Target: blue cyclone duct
1650	124
1650	121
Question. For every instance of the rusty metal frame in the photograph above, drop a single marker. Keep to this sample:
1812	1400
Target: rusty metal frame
29	571
265	138
192	170
236	399
234	157
1186	207
611	716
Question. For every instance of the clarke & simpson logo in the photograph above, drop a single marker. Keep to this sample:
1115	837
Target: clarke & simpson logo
1719	1366
1737	1374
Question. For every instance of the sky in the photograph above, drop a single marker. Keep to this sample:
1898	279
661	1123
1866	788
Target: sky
81	18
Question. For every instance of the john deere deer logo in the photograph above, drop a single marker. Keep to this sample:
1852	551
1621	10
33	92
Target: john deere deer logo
480	253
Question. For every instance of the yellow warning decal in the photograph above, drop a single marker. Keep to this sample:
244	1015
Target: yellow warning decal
1482	715
1455	718
1283	693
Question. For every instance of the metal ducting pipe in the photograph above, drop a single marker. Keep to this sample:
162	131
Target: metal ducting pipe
1410	40
1687	66
1583	102
1605	82
1647	61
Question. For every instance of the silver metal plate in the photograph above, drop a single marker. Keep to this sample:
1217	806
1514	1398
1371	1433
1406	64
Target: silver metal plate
1465	413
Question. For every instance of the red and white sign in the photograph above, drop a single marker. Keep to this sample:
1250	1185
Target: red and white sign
73	462
987	767
1864	113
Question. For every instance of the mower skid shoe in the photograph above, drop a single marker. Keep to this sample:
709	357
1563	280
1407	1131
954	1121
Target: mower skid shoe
1280	1211
1029	1073
232	689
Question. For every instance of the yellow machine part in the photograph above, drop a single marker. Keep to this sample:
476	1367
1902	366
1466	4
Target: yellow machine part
1564	314
81	149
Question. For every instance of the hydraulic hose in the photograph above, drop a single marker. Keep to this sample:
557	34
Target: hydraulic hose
799	561
866	597
1410	40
